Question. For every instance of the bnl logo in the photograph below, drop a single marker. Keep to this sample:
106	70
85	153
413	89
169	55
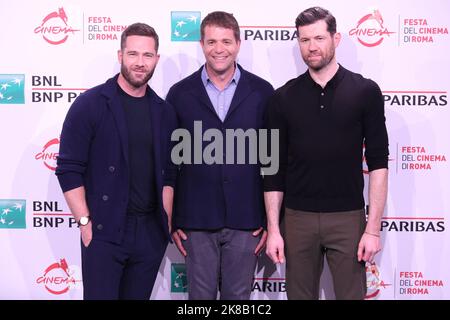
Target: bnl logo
12	89
12	214
178	277
185	25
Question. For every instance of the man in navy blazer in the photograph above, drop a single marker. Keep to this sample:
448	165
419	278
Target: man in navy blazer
114	144
218	209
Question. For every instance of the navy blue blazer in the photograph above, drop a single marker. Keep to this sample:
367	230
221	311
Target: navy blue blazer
214	196
94	154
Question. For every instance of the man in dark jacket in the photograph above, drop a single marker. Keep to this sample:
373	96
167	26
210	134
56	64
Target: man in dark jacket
218	211
114	144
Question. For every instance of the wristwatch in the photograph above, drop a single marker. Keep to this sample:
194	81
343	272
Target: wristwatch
84	221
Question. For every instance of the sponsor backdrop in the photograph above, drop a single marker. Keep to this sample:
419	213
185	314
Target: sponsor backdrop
54	50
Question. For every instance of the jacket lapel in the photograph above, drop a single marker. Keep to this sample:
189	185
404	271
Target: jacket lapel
156	105
199	91
114	104
243	90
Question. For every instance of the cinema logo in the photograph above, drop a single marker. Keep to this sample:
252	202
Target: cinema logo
54	27
49	154
268	33
415	98
58	278
415	283
413	224
370	30
421	30
49	89
415	158
51	215
269	285
103	28
374	281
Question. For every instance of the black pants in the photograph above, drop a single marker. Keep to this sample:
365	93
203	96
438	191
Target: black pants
126	271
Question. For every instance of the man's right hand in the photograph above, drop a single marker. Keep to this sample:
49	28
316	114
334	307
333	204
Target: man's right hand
178	236
86	234
275	247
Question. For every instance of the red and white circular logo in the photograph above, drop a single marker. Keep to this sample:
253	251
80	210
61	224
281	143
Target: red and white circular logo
59	278
54	27
370	30
49	154
374	281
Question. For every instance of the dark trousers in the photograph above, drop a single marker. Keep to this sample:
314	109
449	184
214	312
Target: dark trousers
126	271
310	236
226	256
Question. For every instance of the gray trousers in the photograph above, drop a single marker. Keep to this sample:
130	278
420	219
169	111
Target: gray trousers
312	235
222	260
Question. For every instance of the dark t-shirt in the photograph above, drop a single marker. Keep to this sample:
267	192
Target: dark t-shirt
142	195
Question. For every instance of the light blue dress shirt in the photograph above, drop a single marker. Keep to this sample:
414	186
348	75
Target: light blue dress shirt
221	100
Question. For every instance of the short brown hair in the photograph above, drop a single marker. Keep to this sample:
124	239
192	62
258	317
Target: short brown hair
139	29
314	14
221	19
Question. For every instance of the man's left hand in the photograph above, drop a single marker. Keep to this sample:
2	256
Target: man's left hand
262	241
368	247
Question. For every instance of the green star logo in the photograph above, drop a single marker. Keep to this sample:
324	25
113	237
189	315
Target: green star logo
12	214
185	25
12	89
178	277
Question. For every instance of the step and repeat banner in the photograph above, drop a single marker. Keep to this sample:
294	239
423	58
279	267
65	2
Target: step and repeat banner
52	51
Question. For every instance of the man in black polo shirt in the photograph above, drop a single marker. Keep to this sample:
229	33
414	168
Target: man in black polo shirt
325	116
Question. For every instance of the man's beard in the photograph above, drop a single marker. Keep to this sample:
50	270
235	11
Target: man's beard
135	83
324	61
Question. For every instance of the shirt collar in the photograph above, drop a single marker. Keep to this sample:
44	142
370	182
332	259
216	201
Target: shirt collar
332	83
148	92
235	78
